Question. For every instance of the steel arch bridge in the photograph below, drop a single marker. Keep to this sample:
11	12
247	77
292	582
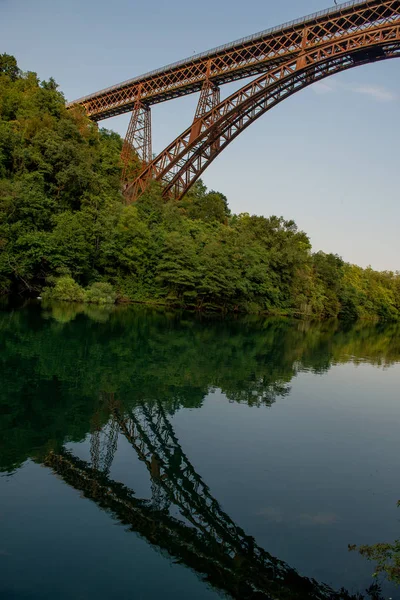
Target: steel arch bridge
285	60
207	540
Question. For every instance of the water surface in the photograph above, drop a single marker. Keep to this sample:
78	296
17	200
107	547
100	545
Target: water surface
150	455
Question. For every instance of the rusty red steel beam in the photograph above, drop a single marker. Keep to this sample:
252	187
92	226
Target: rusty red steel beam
183	161
179	181
181	176
244	58
137	141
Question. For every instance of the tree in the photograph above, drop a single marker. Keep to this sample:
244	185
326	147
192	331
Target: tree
62	212
9	66
386	556
205	206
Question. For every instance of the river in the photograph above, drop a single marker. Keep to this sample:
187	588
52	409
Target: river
148	455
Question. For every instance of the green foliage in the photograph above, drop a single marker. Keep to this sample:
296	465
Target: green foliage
62	212
66	289
386	556
205	206
8	66
100	293
59	183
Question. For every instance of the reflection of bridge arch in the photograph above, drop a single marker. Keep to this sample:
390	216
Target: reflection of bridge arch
289	58
211	544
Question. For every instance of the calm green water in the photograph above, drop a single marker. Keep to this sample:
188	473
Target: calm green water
146	455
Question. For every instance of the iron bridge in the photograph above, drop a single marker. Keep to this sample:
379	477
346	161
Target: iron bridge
282	61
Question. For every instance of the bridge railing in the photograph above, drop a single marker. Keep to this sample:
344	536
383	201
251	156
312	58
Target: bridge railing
227	46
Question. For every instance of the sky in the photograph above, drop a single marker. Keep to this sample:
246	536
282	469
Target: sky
327	157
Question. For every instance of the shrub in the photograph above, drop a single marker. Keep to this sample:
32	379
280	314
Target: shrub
66	289
100	293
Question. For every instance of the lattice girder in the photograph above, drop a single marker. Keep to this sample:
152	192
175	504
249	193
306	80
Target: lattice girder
209	99
137	143
250	56
182	162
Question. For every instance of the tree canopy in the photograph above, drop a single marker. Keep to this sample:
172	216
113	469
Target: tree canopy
62	215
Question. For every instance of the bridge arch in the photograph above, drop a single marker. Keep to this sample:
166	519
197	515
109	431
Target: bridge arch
187	157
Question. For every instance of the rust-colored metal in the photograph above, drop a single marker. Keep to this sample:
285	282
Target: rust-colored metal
289	58
249	56
209	99
137	143
185	159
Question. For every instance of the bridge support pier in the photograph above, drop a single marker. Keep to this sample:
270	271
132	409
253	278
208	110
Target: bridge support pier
138	140
210	97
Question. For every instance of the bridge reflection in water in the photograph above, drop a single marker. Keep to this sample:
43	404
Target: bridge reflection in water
206	540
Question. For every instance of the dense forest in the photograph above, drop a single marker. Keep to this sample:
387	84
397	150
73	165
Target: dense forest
66	233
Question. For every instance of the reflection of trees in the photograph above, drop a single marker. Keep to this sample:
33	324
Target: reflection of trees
54	370
207	541
385	555
60	372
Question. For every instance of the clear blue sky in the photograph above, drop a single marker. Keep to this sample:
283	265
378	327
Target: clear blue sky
328	157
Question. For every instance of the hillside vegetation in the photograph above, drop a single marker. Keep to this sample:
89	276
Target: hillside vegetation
64	229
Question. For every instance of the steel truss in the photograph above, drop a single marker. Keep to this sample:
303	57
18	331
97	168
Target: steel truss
137	143
209	99
183	161
241	59
286	59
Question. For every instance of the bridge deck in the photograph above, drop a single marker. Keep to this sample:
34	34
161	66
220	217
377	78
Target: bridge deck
237	60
